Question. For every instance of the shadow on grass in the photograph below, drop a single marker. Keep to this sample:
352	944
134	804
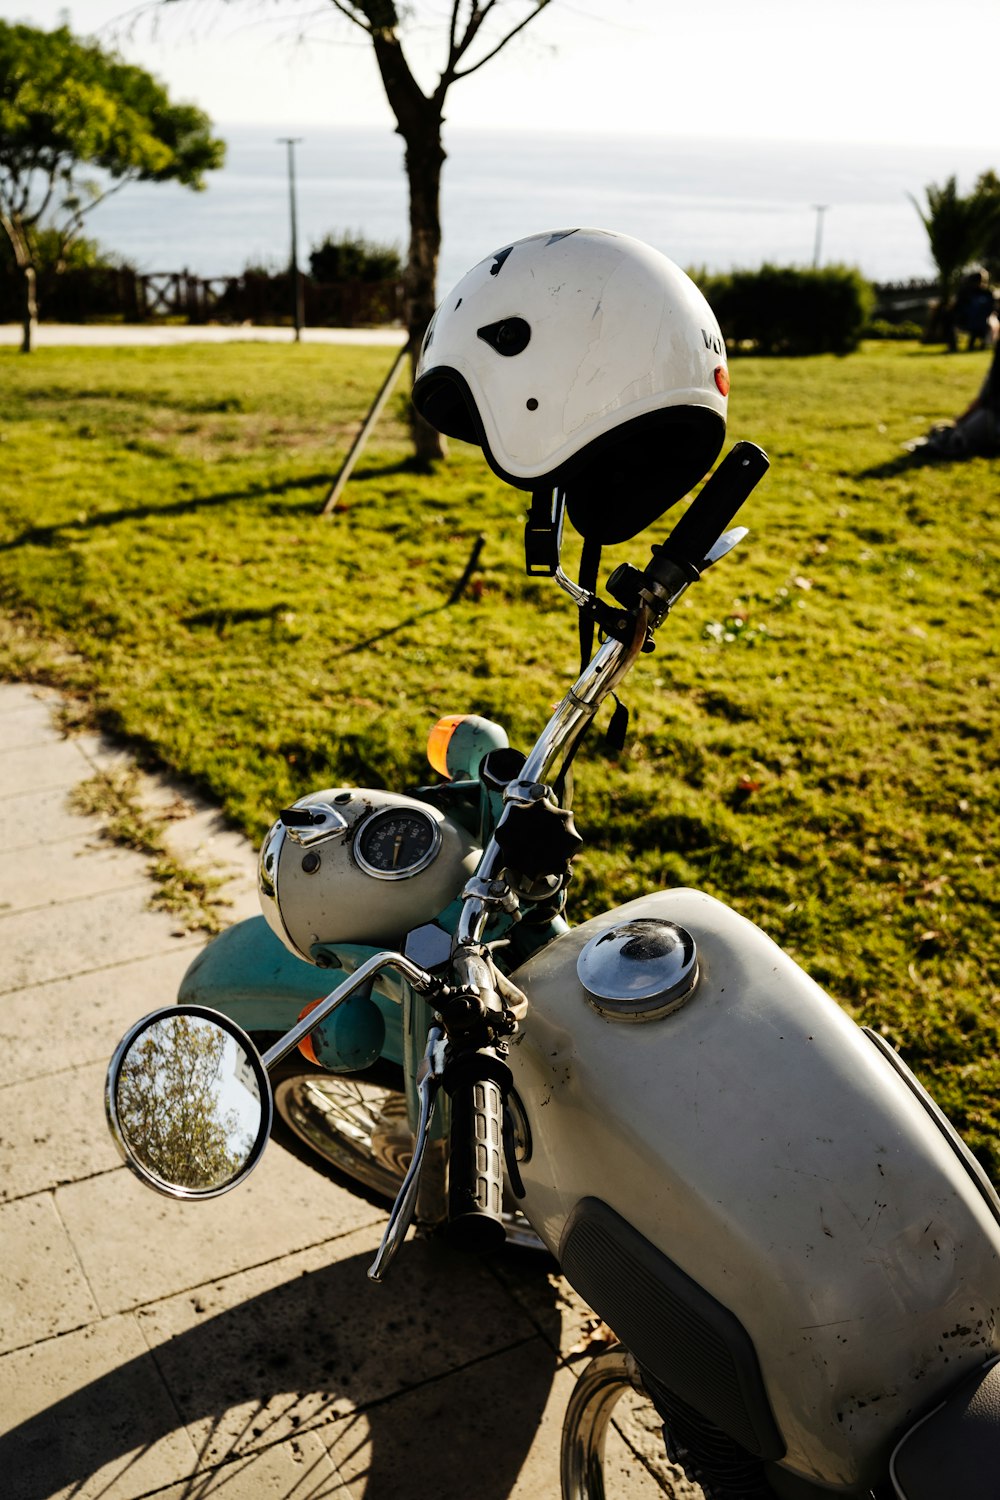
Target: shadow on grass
904	463
408	465
46	536
391	630
429	1385
222	619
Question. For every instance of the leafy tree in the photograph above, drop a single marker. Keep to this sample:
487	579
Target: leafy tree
173	1106
988	187
67	107
958	227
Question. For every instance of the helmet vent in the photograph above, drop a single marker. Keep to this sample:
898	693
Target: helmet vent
499	259
508	336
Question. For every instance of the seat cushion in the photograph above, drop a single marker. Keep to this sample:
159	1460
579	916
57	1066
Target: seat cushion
955	1449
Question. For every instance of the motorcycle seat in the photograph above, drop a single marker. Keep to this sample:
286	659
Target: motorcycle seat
955	1449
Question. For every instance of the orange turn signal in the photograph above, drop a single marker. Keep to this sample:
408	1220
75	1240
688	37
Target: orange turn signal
306	1044
438	740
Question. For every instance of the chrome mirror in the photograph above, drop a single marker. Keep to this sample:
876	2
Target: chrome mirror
188	1102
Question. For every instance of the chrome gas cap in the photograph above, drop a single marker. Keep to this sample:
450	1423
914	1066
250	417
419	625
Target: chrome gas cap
640	970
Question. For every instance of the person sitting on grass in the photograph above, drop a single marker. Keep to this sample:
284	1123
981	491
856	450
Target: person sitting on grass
976	431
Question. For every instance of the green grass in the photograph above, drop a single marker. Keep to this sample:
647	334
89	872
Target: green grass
815	738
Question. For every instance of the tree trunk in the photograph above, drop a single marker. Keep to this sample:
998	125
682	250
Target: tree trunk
29	322
424	159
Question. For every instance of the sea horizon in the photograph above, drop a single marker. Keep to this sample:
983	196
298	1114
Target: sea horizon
715	203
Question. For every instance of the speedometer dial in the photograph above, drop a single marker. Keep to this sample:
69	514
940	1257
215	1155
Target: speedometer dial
394	844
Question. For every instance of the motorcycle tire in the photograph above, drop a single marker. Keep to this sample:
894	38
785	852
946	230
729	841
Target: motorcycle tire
695	1460
355	1125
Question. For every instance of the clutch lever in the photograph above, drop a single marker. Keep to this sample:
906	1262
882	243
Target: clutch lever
429	1077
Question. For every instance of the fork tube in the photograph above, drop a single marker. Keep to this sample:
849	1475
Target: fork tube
584	698
570	719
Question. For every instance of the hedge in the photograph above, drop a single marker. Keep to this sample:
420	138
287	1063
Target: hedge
790	310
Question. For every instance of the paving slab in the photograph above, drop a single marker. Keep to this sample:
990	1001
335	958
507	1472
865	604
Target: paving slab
299	1469
35	818
80	1018
169	1246
87	1416
193	829
89	933
53	1131
25	717
71	869
489	1429
59	763
43	1291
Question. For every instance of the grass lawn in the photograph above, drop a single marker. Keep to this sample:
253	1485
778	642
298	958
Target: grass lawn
814	740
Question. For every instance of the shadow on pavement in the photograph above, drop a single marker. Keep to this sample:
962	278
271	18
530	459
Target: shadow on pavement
409	1392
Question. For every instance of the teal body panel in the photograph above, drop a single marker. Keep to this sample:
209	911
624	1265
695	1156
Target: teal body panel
251	977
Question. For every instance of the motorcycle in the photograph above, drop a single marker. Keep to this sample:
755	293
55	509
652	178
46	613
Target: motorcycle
797	1252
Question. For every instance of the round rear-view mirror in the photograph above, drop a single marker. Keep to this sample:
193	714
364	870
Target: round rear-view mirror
188	1102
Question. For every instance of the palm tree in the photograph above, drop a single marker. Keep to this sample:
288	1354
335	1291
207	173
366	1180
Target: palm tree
958	228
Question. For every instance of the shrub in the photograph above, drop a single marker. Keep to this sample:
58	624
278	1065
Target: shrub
350	257
790	310
881	328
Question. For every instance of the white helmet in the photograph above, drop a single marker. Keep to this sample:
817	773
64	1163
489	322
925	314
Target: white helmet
586	359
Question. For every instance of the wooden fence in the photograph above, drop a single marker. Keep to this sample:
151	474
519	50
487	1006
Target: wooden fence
79	296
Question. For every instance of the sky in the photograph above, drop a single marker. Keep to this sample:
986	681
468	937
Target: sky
860	70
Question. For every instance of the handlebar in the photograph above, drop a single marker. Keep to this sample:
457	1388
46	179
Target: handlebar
478	1083
467	1064
708	515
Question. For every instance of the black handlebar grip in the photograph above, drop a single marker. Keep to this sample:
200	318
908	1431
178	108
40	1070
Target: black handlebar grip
475	1168
711	511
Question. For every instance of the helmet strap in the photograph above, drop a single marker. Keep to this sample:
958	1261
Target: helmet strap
590	562
543	532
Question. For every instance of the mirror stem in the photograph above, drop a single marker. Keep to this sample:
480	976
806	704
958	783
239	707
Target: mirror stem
419	978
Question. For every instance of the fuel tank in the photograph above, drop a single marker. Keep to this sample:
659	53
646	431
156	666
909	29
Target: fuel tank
749	1188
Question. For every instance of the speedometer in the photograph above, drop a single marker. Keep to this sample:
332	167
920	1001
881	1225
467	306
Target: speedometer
396	843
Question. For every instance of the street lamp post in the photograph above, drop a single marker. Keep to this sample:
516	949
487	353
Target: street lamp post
821	209
297	309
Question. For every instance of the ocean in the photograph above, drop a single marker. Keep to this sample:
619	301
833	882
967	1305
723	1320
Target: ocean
716	204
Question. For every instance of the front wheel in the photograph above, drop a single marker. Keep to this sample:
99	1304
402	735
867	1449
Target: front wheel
355	1124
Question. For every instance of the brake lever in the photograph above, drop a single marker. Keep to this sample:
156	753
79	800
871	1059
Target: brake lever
727	541
429	1077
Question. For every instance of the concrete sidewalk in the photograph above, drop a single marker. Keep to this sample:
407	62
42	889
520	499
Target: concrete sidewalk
233	1347
51	335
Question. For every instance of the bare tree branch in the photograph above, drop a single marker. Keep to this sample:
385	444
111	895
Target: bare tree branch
349	11
526	21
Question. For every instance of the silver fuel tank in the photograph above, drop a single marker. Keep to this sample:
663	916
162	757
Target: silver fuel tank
754	1195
